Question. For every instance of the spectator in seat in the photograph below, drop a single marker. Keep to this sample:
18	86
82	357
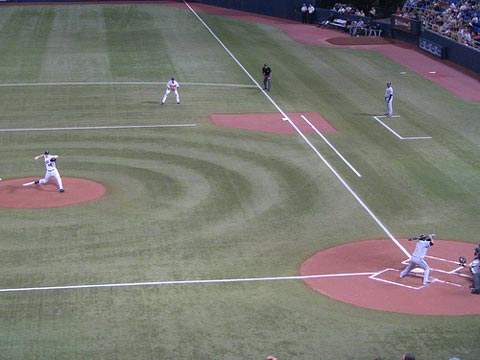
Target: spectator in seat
360	26
352	28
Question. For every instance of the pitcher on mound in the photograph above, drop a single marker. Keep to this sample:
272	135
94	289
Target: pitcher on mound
50	169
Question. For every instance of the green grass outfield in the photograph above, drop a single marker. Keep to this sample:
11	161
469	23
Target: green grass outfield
207	202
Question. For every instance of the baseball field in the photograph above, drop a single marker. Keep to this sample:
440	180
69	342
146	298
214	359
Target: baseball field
210	208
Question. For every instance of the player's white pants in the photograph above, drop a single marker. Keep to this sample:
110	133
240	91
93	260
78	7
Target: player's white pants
390	107
168	91
416	261
56	175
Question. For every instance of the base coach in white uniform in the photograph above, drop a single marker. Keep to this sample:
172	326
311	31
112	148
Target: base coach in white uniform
389	99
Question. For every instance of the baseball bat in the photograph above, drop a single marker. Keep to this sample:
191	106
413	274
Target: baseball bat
29	183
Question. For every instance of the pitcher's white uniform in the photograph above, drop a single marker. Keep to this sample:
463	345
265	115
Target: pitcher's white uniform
172	85
50	169
389	99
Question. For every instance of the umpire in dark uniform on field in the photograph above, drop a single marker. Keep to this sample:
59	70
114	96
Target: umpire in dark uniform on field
267	77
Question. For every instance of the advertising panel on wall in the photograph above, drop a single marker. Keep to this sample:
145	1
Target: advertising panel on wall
407	25
456	52
433	48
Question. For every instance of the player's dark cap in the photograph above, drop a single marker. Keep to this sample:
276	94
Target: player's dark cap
173	78
46	152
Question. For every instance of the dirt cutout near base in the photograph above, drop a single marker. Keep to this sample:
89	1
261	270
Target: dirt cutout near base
273	122
14	195
367	274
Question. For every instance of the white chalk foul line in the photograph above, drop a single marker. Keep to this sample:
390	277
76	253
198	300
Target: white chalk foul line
117	83
181	282
99	127
285	117
331	146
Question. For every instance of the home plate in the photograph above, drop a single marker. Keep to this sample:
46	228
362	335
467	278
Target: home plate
418	271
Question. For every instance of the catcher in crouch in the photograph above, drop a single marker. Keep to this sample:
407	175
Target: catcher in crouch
172	85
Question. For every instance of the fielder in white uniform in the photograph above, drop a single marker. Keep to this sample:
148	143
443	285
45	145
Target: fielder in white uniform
172	85
418	257
50	169
389	99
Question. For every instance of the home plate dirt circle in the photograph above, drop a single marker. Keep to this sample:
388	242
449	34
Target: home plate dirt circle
367	274
14	195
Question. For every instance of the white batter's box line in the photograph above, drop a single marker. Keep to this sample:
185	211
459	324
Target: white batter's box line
456	272
442	259
451	272
376	278
449	283
377	118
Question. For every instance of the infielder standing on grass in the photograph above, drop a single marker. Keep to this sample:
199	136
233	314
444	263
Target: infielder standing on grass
50	169
389	99
418	257
172	85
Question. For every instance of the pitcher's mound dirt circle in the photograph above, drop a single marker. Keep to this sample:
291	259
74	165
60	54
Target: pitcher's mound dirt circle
367	274
14	195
